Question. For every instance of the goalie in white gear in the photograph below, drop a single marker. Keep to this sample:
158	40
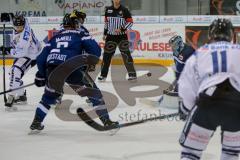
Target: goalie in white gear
210	88
25	49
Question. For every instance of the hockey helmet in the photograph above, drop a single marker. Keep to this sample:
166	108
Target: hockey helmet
70	21
176	43
19	23
18	20
221	29
79	14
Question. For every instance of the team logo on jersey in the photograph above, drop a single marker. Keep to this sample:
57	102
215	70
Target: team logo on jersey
110	11
26	35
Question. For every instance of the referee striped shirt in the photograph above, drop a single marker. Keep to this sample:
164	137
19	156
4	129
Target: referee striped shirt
117	19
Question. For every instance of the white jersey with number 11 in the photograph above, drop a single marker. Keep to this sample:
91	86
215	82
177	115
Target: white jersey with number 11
210	65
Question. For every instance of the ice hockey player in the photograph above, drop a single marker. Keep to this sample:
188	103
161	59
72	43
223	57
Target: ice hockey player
210	88
80	16
74	42
181	52
25	49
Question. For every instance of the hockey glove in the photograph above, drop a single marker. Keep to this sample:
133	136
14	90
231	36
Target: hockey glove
39	81
183	111
5	50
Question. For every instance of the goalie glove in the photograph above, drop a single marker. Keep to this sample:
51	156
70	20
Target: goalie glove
39	81
182	110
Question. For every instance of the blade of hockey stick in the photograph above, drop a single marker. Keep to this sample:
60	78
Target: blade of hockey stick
89	121
152	103
10	90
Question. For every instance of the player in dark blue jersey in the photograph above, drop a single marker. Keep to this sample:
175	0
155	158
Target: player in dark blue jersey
81	16
66	48
181	52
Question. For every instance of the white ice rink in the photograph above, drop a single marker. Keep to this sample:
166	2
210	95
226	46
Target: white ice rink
61	140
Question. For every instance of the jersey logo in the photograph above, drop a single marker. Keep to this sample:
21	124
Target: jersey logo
26	36
110	11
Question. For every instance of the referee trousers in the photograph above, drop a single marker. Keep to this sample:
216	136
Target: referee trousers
112	42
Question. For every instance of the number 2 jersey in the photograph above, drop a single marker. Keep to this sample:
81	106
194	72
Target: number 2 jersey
65	45
210	65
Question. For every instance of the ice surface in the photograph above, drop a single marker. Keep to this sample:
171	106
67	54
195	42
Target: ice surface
63	140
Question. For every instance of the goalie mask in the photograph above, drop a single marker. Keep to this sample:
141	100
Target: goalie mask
221	29
177	44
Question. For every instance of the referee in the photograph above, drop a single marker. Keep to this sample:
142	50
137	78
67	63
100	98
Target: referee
118	20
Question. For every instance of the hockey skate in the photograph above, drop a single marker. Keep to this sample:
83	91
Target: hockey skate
108	124
9	104
132	79
36	126
102	79
21	99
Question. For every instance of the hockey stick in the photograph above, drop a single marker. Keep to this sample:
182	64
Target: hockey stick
150	102
167	92
89	121
3	56
10	90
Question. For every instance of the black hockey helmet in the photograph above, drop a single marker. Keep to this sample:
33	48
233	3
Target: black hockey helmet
19	20
79	14
221	29
70	21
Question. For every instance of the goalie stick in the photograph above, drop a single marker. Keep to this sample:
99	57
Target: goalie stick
155	103
89	121
10	90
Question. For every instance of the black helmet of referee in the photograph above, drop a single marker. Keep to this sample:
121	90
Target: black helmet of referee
221	29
